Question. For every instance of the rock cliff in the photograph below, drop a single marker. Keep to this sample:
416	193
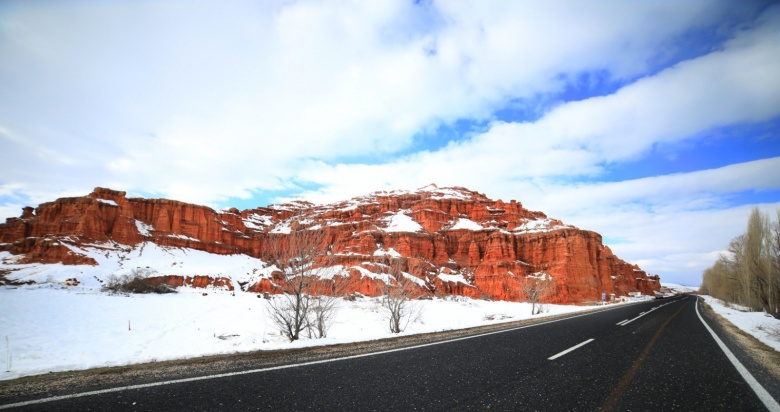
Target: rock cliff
453	240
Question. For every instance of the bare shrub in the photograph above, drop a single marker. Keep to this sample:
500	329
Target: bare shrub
139	280
396	303
329	291
772	331
537	287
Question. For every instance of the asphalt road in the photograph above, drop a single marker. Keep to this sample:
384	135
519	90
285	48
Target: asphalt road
663	358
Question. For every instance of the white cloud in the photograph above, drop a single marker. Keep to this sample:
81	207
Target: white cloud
679	246
10	210
191	95
203	101
579	138
661	191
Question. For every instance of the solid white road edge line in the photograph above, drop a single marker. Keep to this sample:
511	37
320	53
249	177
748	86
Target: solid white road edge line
770	403
224	375
575	347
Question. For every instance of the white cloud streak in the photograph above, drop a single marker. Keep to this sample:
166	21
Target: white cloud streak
732	86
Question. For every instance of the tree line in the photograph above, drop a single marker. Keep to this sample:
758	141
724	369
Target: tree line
748	274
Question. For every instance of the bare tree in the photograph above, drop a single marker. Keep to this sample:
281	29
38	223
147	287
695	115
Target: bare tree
537	287
760	262
396	298
749	273
294	256
326	294
774	279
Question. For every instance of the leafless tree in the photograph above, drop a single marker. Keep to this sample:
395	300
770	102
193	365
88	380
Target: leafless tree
749	273
537	287
326	293
294	256
774	279
396	302
760	263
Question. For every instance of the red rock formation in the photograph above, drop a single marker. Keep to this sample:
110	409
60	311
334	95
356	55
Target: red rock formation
512	243
48	250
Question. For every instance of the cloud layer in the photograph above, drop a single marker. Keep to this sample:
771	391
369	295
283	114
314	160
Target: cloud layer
210	102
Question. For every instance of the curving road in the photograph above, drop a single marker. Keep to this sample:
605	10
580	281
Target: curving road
653	355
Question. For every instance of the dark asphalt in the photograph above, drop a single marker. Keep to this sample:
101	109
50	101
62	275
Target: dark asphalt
664	360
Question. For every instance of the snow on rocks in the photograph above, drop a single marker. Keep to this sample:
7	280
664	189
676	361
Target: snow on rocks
120	260
400	222
183	237
467	224
540	225
454	278
390	252
446	192
143	228
258	222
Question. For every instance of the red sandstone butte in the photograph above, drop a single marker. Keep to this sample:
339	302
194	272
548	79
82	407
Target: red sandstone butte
458	242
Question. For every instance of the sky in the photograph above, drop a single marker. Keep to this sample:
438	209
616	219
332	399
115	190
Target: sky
654	123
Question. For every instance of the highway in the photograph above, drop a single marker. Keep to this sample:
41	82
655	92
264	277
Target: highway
651	355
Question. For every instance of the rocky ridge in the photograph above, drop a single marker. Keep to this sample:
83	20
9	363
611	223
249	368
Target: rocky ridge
453	240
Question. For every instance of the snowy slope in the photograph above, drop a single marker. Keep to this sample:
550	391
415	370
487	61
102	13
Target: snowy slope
680	288
121	259
55	328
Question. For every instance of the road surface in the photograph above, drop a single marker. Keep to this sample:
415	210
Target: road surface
653	355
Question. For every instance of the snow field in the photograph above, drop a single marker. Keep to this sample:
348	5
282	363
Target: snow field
121	260
763	327
51	327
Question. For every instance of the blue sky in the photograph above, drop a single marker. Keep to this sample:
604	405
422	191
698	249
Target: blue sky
654	123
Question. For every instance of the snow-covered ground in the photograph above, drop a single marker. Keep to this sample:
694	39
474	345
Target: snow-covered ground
51	327
762	326
680	288
48	326
116	259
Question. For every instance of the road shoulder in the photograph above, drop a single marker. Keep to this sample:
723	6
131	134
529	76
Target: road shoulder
761	360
